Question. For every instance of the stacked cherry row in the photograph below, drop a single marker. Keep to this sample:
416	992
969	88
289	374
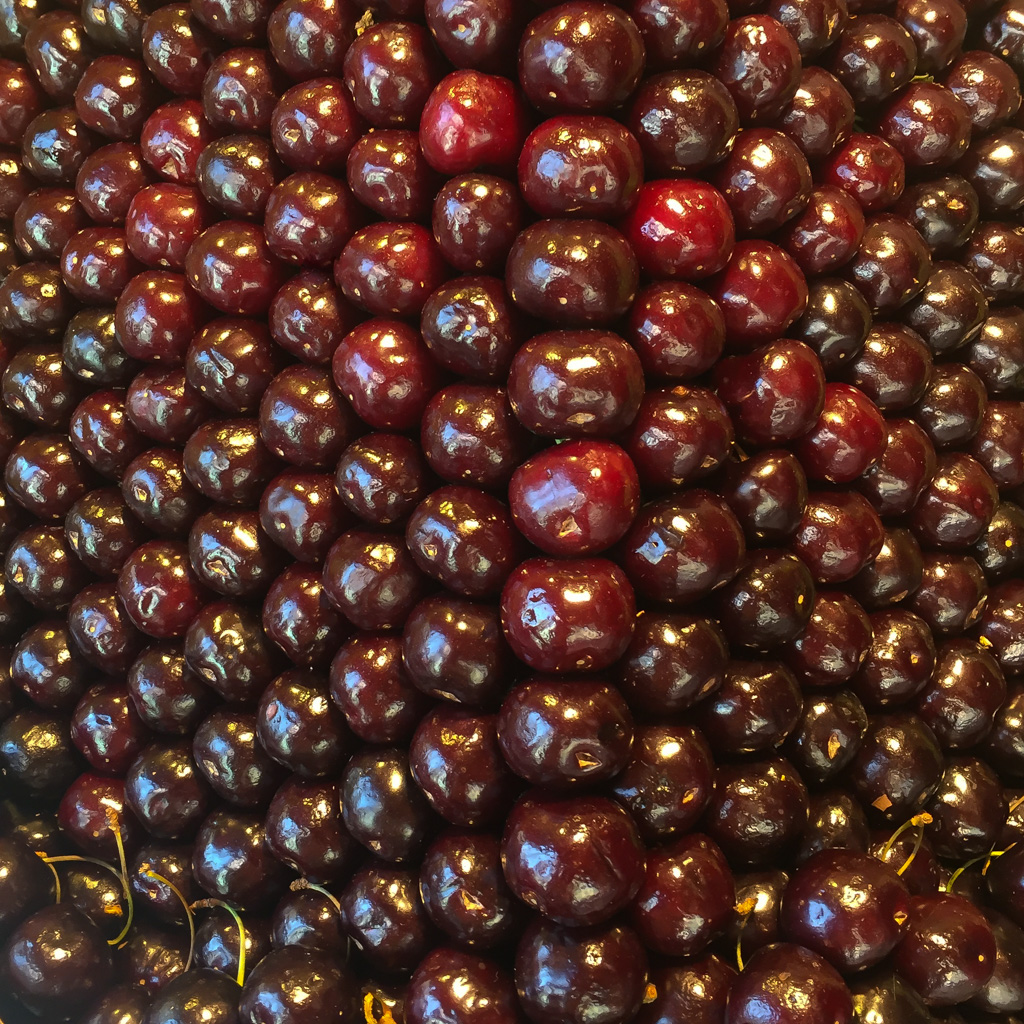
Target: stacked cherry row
298	584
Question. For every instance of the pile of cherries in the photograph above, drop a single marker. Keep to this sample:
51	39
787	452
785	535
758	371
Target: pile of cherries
512	512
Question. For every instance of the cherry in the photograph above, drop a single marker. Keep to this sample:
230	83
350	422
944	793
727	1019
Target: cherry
448	981
226	461
35	305
470	435
305	831
895	573
386	372
986	86
55	957
230	265
294	980
673	660
572	881
694	991
570	974
928	126
758	810
314	125
45	221
956	505
759	63
995	256
674	32
300	619
310	37
775	393
898	765
384	914
464	891
790	982
231	554
968	809
838	535
944	211
767	493
388	174
761	292
684	122
472	328
217	941
827	736
382	477
894	368
382	807
827	233
58	51
680	228
37	753
996	550
479	34
899	661
310	920
869	169
177	48
852	935
237	173
166	694
115	95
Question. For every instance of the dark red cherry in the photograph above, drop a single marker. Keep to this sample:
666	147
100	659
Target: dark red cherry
852	935
37	754
897	767
956	505
576	498
41	567
165	790
680	228
115	95
384	914
314	125
226	461
768	493
310	37
232	861
300	511
46	220
101	630
987	87
240	90
694	991
308	317
834	644
874	58
769	601
231	554
995	256
996	550
899	661
944	211
237	173
372	579
761	292
177	49
55	958
951	594
35	305
173	137
838	535
675	32
470	435
759	63
827	233
820	115
304	830
159	589
233	761
775	393
684	122
827	736
231	266
239	23
371	687
948	952
465	539
998	444
106	729
476	218
382	477
478	34
930	127
309	218
163	405
472	328
576	383
952	408
449	981
968	809
572	881
564	68
44	475
108	180
757	810
167	695
894	574
156	316
383	808
45	667
567	974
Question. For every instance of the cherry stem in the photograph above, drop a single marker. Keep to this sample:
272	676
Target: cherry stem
205	904
305	883
744	909
914	852
960	870
1016	803
189	916
916	821
115	827
385	1013
73	858
56	878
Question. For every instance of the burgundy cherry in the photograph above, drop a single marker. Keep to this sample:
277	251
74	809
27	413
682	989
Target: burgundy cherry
759	63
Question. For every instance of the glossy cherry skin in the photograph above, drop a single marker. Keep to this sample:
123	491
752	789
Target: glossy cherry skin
35	305
761	292
293	981
173	137
382	807
584	166
101	630
952	408
851	934
826	234
476	218
383	912
575	499
106	729
969	808
997	444
231	266
929	127
237	174
821	114
575	383
382	477
309	919
231	362
166	694
308	317
58	51
226	461
750	618
568	616
163	406
572	881
895	573
892	264
479	34
944	211
309	37
165	790
767	493
956	505
677	330
566	974
451	982
759	63
372	688
240	90
897	767
691	871
232	761
948	952
666	761
388	174
996	551
754	710
695	991
314	125
684	122
838	535
41	567
827	736
301	512
564	69
986	86
572	272
875	58
44	666
1000	626
674	33
951	594
680	228
472	328
54	957
115	95
893	368
775	393
470	435
37	753
790	982
231	554
163	221
300	619
45	221
869	169
899	661
995	256
177	49
156	316
538	746
304	829
757	810
159	589
231	860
